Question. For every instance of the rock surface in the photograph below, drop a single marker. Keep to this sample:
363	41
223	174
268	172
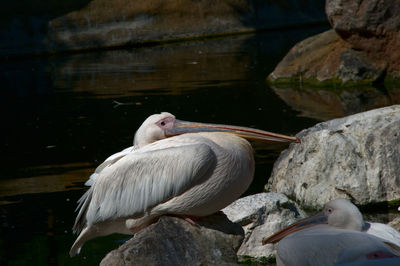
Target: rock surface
174	241
261	215
395	223
316	57
355	157
374	30
37	26
362	48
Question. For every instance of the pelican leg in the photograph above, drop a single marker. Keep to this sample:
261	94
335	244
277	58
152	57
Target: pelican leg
99	229
135	225
188	218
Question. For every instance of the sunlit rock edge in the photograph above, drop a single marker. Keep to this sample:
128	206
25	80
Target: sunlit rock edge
356	157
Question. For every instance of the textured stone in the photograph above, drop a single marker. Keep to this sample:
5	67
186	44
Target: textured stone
370	26
361	49
395	223
174	241
325	60
364	18
316	57
355	157
354	65
261	215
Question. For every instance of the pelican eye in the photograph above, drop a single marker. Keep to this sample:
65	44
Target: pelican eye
166	123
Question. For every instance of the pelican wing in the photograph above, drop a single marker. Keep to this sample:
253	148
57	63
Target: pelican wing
384	231
327	246
108	162
141	180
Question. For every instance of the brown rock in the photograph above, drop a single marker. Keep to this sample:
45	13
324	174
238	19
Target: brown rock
325	57
316	57
362	49
370	26
174	241
364	18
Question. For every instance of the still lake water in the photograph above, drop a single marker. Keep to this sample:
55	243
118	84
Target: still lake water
64	114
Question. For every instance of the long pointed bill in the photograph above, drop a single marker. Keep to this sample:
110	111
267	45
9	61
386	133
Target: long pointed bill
182	127
319	218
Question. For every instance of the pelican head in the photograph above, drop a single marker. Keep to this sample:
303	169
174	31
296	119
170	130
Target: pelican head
164	125
338	213
343	214
153	129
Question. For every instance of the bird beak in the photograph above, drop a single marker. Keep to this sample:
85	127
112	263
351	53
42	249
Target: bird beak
319	218
181	127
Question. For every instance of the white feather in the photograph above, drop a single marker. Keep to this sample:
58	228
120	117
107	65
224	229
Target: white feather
141	180
107	162
384	231
321	245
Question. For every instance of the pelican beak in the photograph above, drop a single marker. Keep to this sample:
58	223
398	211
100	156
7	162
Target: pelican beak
319	218
181	127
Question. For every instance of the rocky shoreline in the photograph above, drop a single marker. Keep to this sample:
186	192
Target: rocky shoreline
361	49
355	157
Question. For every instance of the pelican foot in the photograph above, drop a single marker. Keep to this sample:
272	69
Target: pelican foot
188	218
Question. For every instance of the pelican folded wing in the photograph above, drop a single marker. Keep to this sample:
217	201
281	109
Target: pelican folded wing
140	181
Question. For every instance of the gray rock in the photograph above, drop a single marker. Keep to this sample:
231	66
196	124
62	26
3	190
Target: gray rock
355	157
174	241
371	28
395	223
354	65
365	18
261	215
361	50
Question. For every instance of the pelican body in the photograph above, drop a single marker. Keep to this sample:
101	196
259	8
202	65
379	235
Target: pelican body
337	235
175	167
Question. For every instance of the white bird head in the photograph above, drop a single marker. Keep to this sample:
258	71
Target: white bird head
153	129
164	125
338	213
343	214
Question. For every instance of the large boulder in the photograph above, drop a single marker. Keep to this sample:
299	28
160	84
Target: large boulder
362	48
174	241
262	215
43	26
355	157
374	30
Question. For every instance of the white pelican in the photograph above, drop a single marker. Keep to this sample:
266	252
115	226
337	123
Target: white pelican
336	235
175	167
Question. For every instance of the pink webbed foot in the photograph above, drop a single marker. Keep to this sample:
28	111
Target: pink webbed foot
188	218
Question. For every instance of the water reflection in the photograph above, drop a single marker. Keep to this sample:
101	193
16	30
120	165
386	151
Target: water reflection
66	113
327	104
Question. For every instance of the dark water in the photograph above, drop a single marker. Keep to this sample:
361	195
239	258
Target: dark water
62	115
